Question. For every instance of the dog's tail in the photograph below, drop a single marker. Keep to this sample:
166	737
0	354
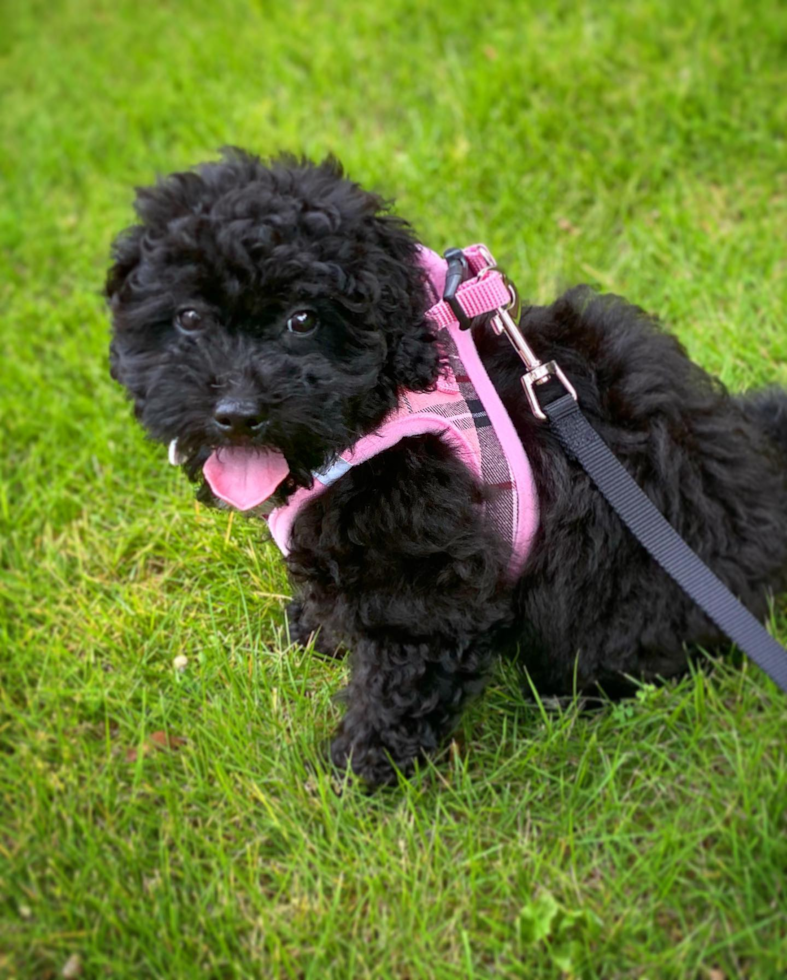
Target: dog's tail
768	409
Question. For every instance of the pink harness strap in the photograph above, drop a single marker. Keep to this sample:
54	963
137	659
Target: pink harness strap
464	409
477	296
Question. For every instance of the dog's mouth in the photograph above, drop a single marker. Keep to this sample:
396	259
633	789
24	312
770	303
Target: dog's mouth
242	476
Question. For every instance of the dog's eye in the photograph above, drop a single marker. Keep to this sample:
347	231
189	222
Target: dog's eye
188	321
304	321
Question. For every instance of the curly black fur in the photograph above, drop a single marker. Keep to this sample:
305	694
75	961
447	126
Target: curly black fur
394	561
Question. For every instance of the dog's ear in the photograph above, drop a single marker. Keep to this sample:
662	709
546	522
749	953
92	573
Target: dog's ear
126	255
401	301
156	206
416	360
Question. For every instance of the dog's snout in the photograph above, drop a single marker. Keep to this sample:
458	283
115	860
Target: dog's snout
236	417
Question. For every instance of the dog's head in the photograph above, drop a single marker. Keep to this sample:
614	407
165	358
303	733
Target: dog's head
266	309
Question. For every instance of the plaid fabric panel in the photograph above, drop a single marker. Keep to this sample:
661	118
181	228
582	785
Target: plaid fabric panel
498	478
465	412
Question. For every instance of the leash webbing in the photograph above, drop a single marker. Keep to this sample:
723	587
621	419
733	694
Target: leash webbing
662	541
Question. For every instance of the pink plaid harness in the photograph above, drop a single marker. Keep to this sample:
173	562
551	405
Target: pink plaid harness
465	410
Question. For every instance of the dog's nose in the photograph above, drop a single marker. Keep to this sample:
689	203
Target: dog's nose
238	418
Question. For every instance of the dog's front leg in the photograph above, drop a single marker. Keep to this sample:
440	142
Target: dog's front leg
404	696
397	560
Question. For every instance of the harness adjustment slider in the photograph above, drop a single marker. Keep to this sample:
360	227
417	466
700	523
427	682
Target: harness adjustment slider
457	272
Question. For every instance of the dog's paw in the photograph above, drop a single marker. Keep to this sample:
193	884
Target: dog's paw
377	757
369	762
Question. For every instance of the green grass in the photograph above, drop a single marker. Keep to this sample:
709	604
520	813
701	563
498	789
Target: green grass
639	146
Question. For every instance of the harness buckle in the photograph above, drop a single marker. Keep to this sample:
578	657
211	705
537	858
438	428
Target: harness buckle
459	270
456	273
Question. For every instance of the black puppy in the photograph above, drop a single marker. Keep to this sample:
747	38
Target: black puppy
279	307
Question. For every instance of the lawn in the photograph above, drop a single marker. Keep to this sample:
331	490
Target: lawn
176	823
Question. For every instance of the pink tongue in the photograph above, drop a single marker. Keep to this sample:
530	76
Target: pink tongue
244	477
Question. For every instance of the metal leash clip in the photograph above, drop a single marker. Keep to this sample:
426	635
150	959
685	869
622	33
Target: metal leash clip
506	321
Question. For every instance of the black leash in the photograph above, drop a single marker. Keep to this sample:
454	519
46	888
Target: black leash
638	513
662	541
